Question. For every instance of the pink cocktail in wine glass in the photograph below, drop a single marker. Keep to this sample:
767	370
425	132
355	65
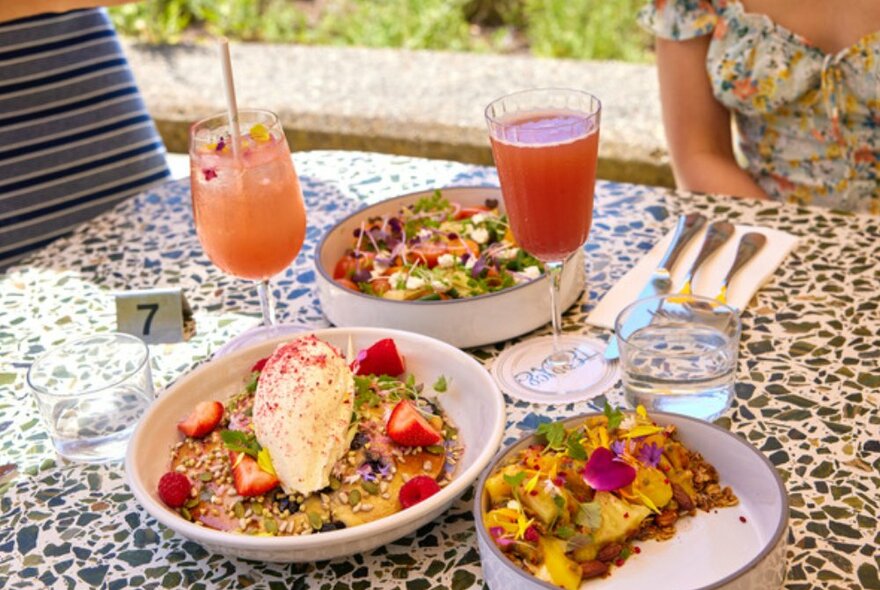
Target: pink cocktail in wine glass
545	143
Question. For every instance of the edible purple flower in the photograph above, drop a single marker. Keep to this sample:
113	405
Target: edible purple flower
361	275
478	268
465	257
650	454
605	472
384	470
497	532
619	447
366	472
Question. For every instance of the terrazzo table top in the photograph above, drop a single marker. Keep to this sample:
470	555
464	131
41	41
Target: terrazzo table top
807	397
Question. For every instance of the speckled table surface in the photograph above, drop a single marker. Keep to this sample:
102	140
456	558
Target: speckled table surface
807	396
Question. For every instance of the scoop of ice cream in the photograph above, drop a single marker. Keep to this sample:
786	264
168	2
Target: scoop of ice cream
302	410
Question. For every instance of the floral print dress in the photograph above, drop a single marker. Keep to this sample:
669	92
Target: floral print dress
808	122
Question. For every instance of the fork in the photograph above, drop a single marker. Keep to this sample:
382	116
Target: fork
749	245
716	236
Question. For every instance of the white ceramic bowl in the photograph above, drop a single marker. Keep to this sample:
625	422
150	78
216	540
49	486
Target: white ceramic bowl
461	322
711	551
472	401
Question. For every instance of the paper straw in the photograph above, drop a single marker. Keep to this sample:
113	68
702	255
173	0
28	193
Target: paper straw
229	87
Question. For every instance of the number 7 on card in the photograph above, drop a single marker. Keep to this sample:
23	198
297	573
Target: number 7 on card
155	315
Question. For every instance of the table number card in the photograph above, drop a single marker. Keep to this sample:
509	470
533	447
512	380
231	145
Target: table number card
155	315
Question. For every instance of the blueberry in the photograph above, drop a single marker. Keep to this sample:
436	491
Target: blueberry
332	526
359	440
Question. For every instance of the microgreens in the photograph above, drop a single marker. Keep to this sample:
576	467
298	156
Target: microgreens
514	480
553	433
614	415
440	384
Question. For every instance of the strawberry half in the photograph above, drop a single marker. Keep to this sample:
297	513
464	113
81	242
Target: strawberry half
258	366
382	358
408	428
202	420
249	479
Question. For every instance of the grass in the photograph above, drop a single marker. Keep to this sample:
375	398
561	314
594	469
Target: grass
580	29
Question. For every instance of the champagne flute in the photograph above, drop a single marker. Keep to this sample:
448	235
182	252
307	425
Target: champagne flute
545	143
247	203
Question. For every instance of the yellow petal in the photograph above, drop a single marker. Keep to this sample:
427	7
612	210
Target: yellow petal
642	430
265	461
530	485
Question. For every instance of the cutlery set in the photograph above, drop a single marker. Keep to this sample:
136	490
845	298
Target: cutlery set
717	234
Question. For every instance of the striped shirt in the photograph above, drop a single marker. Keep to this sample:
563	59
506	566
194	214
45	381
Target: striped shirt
75	137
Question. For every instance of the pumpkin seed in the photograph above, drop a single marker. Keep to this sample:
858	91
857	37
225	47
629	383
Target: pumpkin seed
436	449
315	520
238	509
354	497
206	476
335	484
370	487
184	512
257	508
270	525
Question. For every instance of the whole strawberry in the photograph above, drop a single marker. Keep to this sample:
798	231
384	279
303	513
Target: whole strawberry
174	489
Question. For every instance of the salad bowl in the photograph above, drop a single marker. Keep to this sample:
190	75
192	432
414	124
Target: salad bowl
740	547
466	322
471	400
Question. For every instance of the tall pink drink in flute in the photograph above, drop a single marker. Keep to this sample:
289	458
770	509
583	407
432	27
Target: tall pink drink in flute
546	142
547	167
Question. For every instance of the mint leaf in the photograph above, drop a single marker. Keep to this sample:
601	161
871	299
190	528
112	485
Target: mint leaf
553	433
240	442
614	416
514	480
576	449
589	515
440	385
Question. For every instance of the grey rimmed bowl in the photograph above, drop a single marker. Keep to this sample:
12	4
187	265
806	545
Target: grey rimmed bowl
710	551
464	323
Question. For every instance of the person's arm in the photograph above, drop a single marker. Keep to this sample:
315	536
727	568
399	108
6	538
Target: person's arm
15	9
697	125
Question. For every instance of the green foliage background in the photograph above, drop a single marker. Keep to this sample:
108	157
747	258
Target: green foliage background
582	29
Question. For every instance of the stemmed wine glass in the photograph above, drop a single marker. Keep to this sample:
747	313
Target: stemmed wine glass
545	143
247	204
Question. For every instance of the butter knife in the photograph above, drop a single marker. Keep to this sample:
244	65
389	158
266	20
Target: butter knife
717	235
660	282
749	245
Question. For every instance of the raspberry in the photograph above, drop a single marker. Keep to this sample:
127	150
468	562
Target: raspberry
417	489
174	489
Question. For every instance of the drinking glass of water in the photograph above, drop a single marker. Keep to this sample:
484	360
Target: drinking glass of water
91	393
678	354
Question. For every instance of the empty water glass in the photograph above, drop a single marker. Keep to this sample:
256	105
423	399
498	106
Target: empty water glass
91	393
678	354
